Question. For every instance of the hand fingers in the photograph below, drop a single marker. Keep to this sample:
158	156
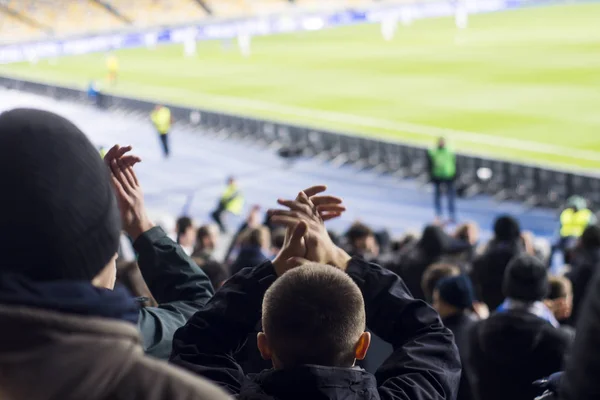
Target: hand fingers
120	176
121	151
313	190
330	216
120	191
284	221
298	234
295	205
297	215
130	160
129	175
331	207
318	200
110	154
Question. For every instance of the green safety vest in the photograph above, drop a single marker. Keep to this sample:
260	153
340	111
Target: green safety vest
573	223
102	152
161	119
232	200
444	163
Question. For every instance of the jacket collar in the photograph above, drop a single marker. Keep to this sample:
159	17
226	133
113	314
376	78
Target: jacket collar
317	382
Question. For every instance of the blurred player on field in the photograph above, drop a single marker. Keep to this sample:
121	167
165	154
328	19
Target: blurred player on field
162	120
112	65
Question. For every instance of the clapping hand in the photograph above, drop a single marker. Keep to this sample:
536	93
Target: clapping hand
307	238
130	197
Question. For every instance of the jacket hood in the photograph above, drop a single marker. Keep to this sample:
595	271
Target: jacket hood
54	355
434	241
312	382
508	337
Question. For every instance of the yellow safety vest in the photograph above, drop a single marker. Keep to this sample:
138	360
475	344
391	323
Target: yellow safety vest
161	119
233	200
102	152
573	223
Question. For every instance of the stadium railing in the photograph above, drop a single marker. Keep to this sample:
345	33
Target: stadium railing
535	185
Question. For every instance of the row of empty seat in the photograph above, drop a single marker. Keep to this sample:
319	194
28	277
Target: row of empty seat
72	17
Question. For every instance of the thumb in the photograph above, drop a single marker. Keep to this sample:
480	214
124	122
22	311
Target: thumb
298	233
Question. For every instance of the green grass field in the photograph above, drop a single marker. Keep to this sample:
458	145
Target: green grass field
520	85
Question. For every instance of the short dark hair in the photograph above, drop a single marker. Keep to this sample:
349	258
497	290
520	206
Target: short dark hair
433	274
183	224
590	239
358	231
314	314
560	287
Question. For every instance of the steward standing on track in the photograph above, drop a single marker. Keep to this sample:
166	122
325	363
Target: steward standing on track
162	120
443	172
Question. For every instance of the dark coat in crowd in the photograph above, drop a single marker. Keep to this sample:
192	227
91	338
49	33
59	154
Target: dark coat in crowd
510	350
411	264
488	271
583	267
461	325
425	363
71	341
249	256
179	286
580	381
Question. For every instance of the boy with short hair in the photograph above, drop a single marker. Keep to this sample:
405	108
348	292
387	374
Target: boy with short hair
317	303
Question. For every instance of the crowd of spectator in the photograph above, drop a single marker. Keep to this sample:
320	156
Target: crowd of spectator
292	311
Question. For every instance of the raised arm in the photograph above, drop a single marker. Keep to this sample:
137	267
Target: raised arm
425	363
177	284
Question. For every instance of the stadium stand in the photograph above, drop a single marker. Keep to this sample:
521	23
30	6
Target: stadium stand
146	13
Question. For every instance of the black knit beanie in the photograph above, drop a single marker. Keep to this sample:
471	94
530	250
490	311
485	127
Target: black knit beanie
506	228
59	217
526	279
457	291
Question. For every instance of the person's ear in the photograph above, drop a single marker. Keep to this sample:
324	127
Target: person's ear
263	346
362	346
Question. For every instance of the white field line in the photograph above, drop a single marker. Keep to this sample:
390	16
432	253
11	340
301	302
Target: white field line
370	122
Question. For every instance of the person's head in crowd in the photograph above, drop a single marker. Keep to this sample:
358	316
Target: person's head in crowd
207	237
506	229
560	297
326	328
59	188
216	272
526	279
590	239
576	203
231	180
384	241
259	237
361	241
186	232
441	143
468	232
453	295
433	242
277	240
433	274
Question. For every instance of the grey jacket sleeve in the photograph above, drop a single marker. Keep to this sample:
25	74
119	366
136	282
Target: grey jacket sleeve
179	286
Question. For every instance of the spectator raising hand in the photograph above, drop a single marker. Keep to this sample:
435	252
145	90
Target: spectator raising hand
313	320
130	197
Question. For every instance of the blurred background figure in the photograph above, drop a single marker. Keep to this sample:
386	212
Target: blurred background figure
254	246
207	238
573	221
186	234
231	201
162	119
453	299
112	66
442	171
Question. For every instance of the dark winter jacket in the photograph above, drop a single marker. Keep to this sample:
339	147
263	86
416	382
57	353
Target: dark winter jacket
461	326
580	381
583	266
425	363
512	349
176	282
69	340
249	256
413	262
488	271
